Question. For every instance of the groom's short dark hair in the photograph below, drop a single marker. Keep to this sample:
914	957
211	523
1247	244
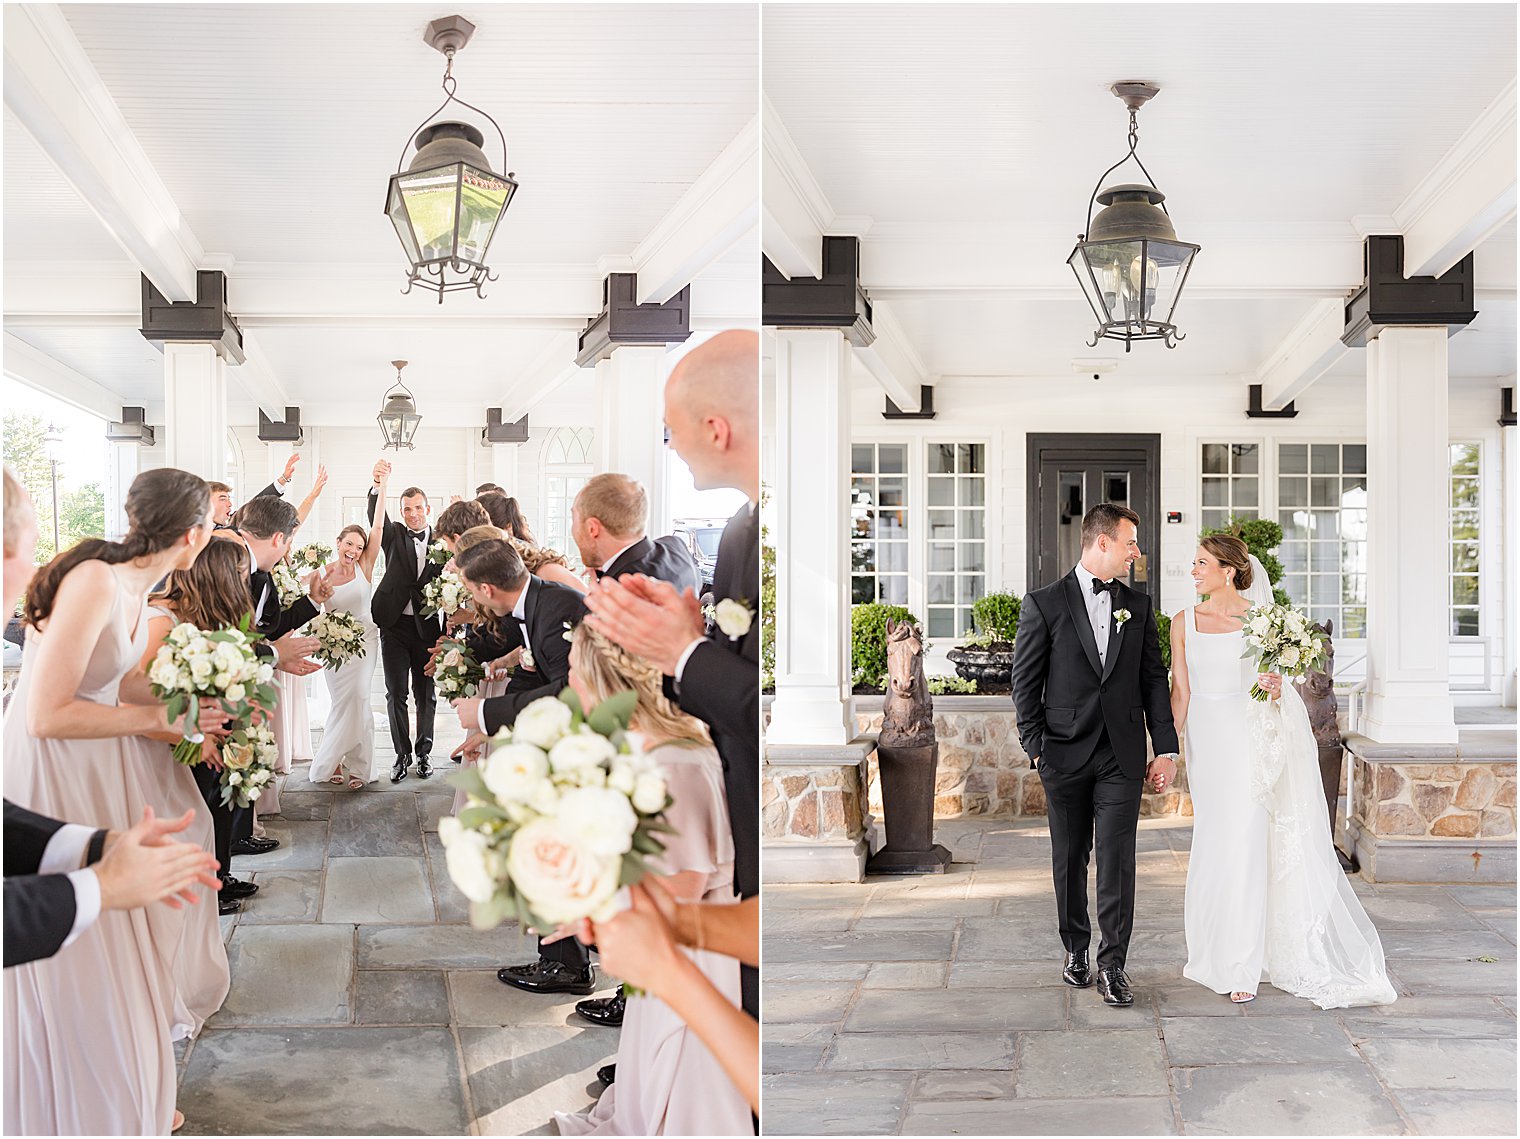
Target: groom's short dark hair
493	562
266	516
1104	519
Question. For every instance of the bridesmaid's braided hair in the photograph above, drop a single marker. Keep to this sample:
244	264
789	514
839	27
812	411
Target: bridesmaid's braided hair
162	505
606	669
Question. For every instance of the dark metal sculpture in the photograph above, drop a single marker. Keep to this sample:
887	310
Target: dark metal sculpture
1318	692
907	758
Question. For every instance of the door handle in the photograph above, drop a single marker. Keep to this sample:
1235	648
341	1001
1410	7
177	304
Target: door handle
1142	569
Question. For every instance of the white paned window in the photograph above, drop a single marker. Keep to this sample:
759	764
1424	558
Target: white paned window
1231	483
566	468
879	523
955	496
1466	488
1322	506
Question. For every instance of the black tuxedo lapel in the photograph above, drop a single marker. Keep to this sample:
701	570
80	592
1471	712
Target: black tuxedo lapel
1116	635
1077	604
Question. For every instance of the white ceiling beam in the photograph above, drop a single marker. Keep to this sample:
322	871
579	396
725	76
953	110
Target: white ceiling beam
36	369
58	97
716	210
892	359
545	373
796	213
256	376
1305	354
1467	196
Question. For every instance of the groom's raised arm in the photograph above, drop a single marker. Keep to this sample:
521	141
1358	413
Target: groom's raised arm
1031	653
1155	691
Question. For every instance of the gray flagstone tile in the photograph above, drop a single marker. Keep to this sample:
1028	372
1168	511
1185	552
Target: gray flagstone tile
1445	944
1460	1112
829	1103
806	1003
284	896
481	1001
1483	896
963	1085
884	906
907	975
1363	1026
1112	1116
1434	909
303	805
1431	977
1284	1099
363	889
443	947
1092	1062
453	907
920	1051
303	846
1085	1009
401	996
901	946
994	975
432	807
791	1057
809	971
956	1010
290	974
1486	1065
781	1033
375	826
520	1076
1198	1041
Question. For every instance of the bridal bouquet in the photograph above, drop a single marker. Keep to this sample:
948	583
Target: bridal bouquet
193	663
1283	641
312	556
287	587
563	811
445	594
456	673
439	554
341	636
249	757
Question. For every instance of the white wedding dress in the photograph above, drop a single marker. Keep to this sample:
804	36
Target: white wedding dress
348	735
1266	898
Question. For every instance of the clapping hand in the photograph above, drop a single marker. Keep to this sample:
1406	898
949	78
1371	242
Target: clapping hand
144	865
319	588
293	651
647	617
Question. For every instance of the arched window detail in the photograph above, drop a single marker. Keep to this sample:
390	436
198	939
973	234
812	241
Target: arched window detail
566	465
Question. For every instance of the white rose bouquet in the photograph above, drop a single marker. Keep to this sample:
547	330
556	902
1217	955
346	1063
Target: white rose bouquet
193	663
563	811
287	586
249	757
445	594
341	636
1283	641
456	672
312	556
438	554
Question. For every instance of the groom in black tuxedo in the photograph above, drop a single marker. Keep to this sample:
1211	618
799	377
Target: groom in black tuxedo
405	634
1088	680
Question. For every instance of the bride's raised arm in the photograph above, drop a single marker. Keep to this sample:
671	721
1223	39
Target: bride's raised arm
1180	690
376	529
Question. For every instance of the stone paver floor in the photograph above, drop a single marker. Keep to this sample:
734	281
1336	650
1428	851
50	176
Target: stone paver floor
362	1002
934	1006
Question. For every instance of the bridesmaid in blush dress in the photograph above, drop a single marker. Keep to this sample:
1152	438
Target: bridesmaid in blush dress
88	1033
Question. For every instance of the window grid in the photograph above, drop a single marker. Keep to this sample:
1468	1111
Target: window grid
956	502
1231	483
1322	507
879	530
1466	492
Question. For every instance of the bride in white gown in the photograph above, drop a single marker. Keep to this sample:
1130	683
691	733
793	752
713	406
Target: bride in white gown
348	736
1266	898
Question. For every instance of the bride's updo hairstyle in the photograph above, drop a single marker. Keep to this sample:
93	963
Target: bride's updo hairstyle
1231	553
605	669
352	528
162	505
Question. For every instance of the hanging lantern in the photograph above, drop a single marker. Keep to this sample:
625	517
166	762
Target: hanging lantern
1129	262
448	202
398	416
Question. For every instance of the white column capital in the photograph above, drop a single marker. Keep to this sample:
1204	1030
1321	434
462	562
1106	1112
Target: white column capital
195	409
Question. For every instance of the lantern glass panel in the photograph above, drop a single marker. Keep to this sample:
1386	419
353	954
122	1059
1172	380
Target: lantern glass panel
408	428
1117	266
390	427
396	209
1167	267
483	199
431	197
1089	283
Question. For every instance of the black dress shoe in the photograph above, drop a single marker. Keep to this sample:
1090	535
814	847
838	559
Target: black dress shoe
606	1011
1114	986
235	889
607	1074
225	906
549	977
1077	973
254	845
424	768
403	763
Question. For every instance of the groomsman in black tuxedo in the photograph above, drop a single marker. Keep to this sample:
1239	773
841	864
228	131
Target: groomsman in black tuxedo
712	407
1086	688
405	634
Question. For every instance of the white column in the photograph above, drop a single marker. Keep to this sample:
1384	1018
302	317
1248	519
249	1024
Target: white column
275	455
502	471
1408	540
812	476
630	433
121	469
195	410
1509	474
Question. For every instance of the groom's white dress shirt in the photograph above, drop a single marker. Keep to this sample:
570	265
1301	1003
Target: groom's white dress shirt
1100	610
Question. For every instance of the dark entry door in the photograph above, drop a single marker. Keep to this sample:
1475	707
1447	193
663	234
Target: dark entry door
1070	474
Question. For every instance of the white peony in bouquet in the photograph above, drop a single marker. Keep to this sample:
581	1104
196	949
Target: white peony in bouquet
248	756
192	663
456	672
445	594
312	556
439	554
341	636
287	586
563	811
1282	640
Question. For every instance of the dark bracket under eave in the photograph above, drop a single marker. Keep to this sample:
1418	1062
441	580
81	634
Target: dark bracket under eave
288	430
1256	411
624	321
498	432
1507	407
834	300
1386	297
925	406
205	320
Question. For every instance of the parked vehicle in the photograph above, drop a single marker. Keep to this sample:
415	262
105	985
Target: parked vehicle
701	537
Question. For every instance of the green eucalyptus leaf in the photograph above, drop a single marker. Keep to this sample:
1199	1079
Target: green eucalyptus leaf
633	870
470	781
477	814
613	713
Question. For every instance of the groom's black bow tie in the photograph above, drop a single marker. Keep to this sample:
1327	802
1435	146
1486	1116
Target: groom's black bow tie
1105	586
418	535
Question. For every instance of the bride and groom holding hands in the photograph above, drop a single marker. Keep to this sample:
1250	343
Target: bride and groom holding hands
1266	898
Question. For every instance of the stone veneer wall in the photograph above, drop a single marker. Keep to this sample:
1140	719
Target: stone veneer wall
1396	799
812	803
982	769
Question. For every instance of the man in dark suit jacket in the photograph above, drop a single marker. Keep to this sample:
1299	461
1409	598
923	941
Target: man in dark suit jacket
405	634
712	406
608	521
60	876
1087	680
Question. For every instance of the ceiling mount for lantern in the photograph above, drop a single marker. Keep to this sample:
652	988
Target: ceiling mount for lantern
448	202
398	416
1128	261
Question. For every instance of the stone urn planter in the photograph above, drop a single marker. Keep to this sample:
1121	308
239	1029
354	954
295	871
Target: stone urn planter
992	664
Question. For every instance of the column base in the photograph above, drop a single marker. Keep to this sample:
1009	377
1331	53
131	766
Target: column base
825	861
931	861
815	823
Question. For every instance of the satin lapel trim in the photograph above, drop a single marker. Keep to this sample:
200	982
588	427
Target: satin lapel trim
1074	603
1116	634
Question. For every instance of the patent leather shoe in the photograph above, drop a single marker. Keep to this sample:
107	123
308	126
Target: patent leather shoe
549	977
1114	986
424	768
235	889
255	845
607	1011
403	765
607	1074
1077	973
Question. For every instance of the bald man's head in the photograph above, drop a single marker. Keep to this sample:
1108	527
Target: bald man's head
712	407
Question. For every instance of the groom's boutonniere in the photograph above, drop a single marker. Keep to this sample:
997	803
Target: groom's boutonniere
1120	616
733	617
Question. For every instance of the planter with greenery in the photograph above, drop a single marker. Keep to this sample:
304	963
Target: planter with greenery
868	642
986	655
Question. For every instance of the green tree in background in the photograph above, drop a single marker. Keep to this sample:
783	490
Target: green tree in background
81	512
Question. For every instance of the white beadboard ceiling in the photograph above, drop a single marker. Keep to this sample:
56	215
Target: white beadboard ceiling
981	129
